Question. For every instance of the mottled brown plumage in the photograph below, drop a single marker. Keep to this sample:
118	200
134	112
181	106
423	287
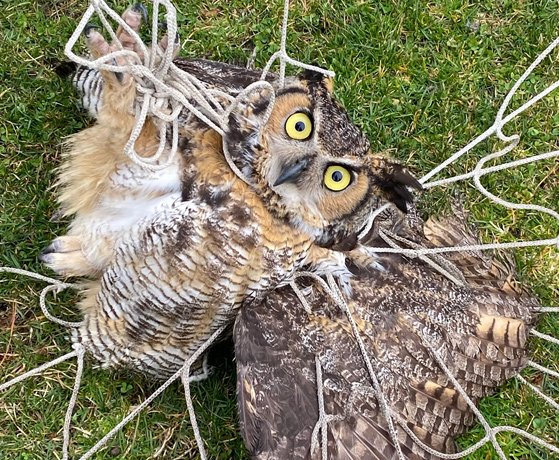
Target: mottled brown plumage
174	253
399	305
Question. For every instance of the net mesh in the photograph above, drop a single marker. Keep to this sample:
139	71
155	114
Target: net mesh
165	91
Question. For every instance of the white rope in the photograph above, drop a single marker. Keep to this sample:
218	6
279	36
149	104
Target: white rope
42	303
103	441
500	122
548	309
463	453
479	171
541	335
163	87
300	295
243	94
322	422
331	289
55	285
483	171
157	85
166	91
173	84
463	393
539	392
333	292
80	350
186	379
472	247
438	263
284	58
323	418
371	220
38	370
490	433
37	276
543	369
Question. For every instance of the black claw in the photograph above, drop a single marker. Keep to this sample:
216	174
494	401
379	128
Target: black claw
88	27
63	70
140	8
163	27
48	250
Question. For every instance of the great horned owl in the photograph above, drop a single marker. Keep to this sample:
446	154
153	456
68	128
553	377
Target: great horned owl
105	193
140	321
479	330
181	262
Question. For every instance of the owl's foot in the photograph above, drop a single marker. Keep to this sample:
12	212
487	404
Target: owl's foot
65	257
99	47
133	18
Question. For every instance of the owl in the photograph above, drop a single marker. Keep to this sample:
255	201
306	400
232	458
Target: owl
401	307
105	193
177	252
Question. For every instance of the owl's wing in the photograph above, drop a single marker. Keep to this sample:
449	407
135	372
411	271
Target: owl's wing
274	389
403	309
275	347
228	78
223	76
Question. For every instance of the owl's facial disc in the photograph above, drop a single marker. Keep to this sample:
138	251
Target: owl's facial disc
311	164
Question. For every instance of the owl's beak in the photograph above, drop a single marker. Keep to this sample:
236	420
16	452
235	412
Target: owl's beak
292	171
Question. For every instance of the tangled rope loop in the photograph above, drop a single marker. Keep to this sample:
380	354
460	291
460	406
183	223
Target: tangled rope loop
166	91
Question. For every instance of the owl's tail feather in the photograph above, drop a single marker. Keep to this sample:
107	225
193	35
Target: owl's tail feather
367	438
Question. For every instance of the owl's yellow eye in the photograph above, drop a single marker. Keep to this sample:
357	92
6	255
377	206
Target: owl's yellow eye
337	178
299	126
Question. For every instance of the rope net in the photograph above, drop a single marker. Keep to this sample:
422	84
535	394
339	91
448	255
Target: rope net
164	92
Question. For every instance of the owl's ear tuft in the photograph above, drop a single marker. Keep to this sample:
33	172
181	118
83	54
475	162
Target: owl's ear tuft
247	116
314	78
393	180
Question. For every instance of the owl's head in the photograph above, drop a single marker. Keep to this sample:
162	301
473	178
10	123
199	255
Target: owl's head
310	163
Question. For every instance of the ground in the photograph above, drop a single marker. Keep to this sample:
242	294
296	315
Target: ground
421	78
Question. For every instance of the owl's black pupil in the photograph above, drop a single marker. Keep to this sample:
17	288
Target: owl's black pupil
300	126
337	176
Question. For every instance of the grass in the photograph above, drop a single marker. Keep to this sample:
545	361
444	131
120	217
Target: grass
422	78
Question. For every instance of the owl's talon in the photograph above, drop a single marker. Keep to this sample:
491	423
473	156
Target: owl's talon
48	250
88	28
140	8
164	42
65	257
